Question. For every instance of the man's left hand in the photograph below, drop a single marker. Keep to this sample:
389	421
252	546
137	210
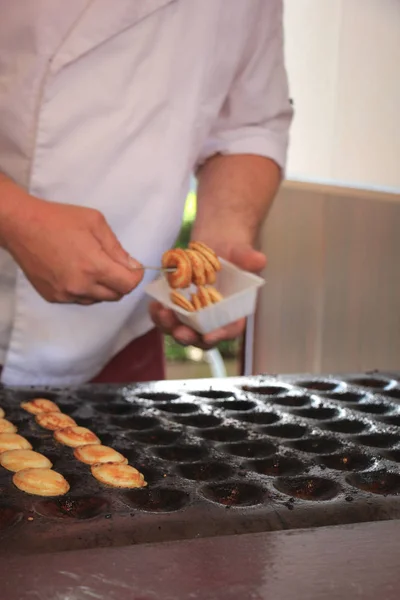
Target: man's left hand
243	256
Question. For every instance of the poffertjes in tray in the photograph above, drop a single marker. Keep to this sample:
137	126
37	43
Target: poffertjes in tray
17	460
41	482
198	265
33	472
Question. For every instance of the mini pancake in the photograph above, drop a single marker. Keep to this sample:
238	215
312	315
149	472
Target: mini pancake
41	482
196	302
7	426
214	294
198	271
211	275
40	405
204	296
54	420
76	436
208	254
17	460
119	476
2	413
180	300
93	454
177	258
13	441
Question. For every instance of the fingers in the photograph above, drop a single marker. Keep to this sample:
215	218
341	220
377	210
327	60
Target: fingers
117	278
110	243
166	320
248	259
99	293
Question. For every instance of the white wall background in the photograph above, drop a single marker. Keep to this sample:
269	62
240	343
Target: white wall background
343	59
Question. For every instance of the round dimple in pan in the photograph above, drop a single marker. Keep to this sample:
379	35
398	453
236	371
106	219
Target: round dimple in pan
178	408
158	396
393	455
213	394
276	466
378	440
376	482
316	445
199	421
80	508
319	385
259	418
346	426
93	397
156	437
322	413
286	431
393	420
350	397
291	401
265	390
374	408
182	453
157	499
224	434
234	493
395	393
347	461
137	423
235	405
369	382
118	408
251	449
205	471
308	488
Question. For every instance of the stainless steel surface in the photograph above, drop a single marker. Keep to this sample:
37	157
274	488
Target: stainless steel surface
332	298
332	563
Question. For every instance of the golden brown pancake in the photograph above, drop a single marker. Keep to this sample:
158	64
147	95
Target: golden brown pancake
54	420
97	453
17	460
76	436
40	405
13	441
7	427
2	413
119	476
41	482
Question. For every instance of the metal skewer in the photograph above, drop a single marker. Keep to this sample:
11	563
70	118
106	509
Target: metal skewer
147	268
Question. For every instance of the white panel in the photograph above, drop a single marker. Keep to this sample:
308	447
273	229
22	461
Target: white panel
343	60
312	48
332	297
367	144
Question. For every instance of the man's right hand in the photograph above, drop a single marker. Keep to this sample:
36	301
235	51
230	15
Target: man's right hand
68	253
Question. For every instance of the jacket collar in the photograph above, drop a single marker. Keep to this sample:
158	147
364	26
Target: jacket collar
101	20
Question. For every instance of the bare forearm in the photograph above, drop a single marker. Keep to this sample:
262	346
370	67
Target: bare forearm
234	196
13	204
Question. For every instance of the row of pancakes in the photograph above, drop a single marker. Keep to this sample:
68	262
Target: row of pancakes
33	471
196	265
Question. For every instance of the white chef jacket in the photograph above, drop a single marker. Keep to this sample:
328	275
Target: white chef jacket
111	104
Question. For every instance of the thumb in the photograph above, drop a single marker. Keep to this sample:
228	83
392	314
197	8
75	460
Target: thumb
114	250
247	258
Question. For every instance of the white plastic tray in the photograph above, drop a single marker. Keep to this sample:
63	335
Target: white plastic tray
239	289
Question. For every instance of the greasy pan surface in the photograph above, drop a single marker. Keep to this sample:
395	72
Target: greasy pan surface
220	457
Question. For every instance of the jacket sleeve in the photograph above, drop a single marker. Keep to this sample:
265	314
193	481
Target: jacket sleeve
256	115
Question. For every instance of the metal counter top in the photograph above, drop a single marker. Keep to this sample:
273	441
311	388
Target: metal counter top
332	563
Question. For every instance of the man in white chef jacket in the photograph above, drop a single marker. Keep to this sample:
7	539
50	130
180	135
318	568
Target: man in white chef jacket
106	110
